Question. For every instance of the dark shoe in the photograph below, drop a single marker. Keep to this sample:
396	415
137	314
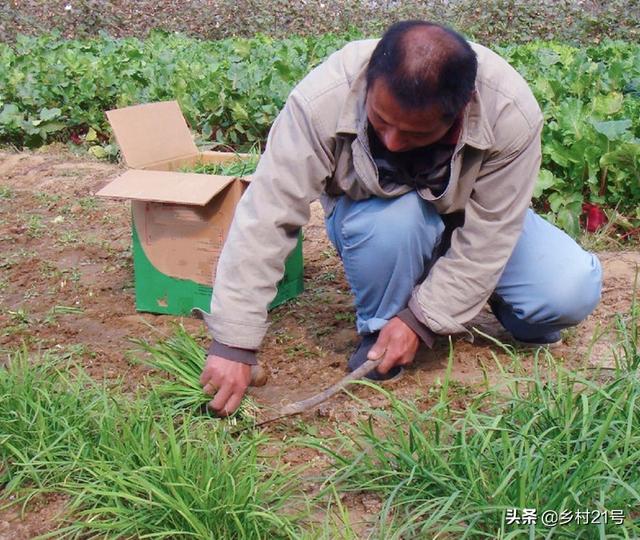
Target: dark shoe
359	357
551	341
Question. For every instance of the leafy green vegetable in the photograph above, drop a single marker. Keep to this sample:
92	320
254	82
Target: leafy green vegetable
590	140
231	90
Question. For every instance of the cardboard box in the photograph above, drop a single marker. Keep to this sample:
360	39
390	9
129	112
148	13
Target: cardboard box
179	220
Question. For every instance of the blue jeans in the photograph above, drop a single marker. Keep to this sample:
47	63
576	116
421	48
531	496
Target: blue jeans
387	247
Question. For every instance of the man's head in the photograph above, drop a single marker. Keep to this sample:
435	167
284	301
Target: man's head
419	79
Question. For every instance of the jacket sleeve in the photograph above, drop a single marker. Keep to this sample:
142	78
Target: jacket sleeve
462	280
291	173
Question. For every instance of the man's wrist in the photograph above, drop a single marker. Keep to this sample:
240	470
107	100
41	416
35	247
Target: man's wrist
235	354
425	334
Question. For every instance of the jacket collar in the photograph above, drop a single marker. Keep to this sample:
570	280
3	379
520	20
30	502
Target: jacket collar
476	130
353	114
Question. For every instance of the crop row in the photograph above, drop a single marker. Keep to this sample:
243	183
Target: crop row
591	137
231	91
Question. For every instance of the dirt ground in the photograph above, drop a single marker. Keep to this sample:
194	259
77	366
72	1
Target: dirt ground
66	285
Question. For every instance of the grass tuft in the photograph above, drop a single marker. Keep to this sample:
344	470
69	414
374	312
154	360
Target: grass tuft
165	477
48	422
135	466
237	168
549	441
627	327
182	359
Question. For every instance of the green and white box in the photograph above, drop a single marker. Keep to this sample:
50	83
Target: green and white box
180	220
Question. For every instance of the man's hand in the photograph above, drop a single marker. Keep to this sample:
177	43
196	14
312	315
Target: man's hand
397	342
228	380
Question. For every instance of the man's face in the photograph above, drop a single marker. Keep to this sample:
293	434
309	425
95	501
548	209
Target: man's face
400	129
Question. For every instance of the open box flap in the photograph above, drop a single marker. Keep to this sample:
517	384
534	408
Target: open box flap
166	187
151	133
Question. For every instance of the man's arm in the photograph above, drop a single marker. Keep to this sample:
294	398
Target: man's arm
462	280
291	174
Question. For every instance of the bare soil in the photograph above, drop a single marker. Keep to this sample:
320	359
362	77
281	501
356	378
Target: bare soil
63	248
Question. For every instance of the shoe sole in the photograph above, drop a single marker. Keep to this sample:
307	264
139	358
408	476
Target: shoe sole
534	346
395	378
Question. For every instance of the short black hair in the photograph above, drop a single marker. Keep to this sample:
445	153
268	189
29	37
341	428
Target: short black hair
425	64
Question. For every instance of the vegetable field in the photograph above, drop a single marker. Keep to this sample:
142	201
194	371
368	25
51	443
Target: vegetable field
104	431
231	90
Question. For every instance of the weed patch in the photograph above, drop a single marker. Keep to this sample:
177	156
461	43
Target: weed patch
554	442
182	359
134	467
237	168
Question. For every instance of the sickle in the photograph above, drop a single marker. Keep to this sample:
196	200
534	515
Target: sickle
301	406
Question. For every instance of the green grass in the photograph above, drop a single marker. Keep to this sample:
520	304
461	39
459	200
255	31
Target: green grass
151	465
134	466
48	422
182	359
167	477
627	328
237	168
552	441
35	226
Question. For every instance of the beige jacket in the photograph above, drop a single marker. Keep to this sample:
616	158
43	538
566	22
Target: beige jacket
317	148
